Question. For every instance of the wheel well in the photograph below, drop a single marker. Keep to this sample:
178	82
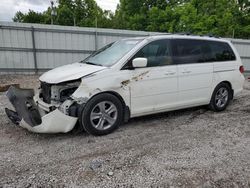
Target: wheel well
230	85
125	107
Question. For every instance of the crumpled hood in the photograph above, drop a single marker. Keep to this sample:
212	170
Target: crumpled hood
69	72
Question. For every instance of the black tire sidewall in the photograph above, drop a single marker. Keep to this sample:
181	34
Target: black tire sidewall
84	117
213	105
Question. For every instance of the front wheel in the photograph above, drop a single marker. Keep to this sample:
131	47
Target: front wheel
221	97
102	114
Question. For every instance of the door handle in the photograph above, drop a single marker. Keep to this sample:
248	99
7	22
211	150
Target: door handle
170	73
186	72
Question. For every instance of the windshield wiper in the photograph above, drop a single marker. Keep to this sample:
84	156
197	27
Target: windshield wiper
90	63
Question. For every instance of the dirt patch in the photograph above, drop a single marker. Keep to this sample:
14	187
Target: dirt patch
4	88
186	148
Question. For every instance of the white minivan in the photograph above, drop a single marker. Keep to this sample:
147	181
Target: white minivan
129	78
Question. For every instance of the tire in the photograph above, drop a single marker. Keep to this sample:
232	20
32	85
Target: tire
102	114
221	97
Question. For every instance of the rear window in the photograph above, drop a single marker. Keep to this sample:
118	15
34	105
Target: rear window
186	51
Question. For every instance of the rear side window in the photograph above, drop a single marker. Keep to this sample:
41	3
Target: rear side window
221	51
186	51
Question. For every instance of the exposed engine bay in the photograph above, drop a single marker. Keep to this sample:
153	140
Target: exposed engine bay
56	93
59	95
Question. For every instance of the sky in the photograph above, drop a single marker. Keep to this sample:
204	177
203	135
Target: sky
8	8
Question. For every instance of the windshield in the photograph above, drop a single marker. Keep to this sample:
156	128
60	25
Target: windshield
110	54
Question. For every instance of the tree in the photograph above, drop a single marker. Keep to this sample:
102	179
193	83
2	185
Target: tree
30	17
70	12
65	16
19	17
225	18
244	5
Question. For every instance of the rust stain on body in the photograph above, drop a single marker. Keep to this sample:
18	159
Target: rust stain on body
135	78
125	82
140	76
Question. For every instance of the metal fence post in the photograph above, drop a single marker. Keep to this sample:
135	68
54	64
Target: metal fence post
96	38
34	48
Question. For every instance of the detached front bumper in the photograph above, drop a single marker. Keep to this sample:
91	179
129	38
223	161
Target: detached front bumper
35	119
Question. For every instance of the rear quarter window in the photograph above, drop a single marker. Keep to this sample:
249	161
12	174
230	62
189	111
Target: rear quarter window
221	51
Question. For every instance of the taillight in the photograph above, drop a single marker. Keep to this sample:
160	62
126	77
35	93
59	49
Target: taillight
242	70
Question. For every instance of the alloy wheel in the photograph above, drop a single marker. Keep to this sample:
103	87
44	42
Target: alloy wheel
103	115
221	97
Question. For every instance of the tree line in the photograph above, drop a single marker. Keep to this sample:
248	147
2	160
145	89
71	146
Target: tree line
224	18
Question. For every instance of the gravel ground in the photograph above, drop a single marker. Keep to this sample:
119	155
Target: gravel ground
187	148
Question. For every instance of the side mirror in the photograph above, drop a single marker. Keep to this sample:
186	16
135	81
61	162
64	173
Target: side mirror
139	62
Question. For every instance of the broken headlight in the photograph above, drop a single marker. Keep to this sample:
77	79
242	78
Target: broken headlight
66	93
63	91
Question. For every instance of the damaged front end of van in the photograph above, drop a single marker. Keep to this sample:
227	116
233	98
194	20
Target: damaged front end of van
52	109
37	116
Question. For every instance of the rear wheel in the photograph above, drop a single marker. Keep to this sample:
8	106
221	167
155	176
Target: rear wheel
102	114
221	97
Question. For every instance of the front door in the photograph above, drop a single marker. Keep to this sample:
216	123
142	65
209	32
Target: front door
154	88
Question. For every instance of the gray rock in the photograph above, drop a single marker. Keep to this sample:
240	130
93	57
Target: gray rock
110	173
95	164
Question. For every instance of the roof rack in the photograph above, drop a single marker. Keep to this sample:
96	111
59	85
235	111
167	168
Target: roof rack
190	34
156	34
184	33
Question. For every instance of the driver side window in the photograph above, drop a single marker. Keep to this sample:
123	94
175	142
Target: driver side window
157	53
